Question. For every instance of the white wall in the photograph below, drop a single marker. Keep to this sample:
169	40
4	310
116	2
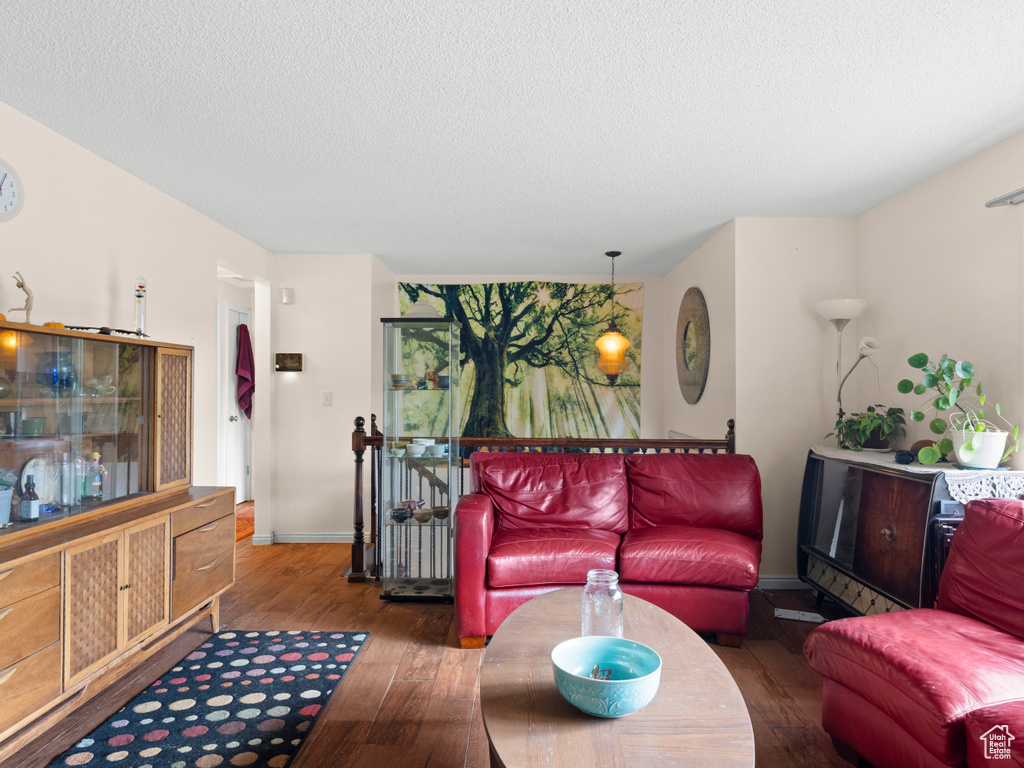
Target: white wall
330	323
944	274
88	229
783	266
712	268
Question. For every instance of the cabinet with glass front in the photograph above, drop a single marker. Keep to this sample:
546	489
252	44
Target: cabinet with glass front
88	419
421	454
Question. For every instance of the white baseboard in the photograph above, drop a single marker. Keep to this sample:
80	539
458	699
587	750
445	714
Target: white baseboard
299	537
781	582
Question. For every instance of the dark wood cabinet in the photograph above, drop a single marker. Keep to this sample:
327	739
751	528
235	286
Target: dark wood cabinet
866	535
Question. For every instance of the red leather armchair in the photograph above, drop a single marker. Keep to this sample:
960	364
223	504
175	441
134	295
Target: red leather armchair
683	531
937	686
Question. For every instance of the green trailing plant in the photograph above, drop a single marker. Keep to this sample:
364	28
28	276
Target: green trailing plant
878	427
956	392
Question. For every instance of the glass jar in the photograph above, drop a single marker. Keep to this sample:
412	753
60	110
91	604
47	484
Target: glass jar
602	604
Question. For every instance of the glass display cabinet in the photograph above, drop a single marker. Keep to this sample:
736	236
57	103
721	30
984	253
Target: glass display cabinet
421	449
90	419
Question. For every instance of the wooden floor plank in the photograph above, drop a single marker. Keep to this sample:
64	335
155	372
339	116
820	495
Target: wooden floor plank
412	695
444	735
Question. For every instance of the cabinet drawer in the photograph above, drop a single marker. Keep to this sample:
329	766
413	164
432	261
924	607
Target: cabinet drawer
198	515
29	625
29	685
28	579
204	563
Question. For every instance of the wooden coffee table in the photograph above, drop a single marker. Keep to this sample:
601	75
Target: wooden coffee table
698	717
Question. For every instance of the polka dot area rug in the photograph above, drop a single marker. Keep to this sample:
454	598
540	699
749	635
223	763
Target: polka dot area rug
241	698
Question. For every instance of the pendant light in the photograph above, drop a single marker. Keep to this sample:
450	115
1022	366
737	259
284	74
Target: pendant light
612	344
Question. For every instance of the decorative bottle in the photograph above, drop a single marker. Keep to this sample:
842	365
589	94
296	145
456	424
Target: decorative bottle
94	479
30	500
140	306
602	604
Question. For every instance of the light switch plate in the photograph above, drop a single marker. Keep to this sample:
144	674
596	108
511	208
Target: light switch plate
325	397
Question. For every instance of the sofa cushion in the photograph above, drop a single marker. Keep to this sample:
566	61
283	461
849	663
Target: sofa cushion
924	668
704	490
983	574
520	558
535	490
681	554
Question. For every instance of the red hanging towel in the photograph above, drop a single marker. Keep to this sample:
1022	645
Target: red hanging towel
246	371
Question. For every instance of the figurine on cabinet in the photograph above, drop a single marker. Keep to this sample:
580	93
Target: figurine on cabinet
27	309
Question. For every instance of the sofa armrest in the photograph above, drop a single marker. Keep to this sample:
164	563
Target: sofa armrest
474	527
995	728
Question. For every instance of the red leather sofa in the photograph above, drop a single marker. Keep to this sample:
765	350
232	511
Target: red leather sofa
939	686
683	531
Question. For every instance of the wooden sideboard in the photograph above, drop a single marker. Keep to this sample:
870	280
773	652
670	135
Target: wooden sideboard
126	554
874	534
83	602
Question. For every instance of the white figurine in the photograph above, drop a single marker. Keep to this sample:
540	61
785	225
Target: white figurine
27	309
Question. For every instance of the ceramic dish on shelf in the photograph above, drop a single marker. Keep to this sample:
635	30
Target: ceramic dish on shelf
396	453
438	449
441	513
423	441
422	515
416	449
399	381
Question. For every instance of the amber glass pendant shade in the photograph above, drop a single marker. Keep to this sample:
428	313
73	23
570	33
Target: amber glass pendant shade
612	346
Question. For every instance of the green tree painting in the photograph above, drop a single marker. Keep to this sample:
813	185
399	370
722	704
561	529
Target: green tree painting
528	354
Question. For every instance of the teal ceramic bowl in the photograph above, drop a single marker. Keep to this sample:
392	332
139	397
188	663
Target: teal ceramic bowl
630	670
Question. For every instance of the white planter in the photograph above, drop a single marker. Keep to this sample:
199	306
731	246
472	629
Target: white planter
978	450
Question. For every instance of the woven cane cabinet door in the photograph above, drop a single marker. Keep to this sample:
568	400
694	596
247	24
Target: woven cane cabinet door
91	584
146	590
172	434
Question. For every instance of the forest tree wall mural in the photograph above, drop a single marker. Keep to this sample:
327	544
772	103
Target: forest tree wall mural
528	354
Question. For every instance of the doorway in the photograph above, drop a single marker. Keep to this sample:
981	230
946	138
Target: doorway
237	429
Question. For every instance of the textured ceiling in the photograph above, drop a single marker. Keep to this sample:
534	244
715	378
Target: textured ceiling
523	137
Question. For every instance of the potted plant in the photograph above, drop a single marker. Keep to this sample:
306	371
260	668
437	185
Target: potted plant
975	441
876	429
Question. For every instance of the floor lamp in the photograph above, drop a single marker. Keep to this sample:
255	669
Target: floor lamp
840	312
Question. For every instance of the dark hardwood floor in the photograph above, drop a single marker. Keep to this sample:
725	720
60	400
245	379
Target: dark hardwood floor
410	698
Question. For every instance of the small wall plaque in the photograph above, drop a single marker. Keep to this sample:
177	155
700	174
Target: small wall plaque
288	361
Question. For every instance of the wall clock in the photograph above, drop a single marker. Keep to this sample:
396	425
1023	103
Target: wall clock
693	345
12	193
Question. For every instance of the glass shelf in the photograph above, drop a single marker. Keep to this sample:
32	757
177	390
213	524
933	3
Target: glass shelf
63	399
421	378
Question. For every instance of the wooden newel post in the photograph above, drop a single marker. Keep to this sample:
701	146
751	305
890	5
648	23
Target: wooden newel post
358	572
730	436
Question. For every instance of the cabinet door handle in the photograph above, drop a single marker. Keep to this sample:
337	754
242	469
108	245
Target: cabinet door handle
209	527
208	566
206	504
5	611
5	574
889	533
5	676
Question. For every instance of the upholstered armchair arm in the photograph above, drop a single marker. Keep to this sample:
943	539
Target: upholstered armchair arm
474	527
996	727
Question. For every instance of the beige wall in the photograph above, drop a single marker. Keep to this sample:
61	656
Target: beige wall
944	274
330	323
784	355
712	268
88	229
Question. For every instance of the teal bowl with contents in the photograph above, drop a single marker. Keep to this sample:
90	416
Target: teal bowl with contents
606	676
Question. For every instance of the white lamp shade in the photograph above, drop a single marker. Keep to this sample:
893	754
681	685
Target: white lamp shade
840	309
